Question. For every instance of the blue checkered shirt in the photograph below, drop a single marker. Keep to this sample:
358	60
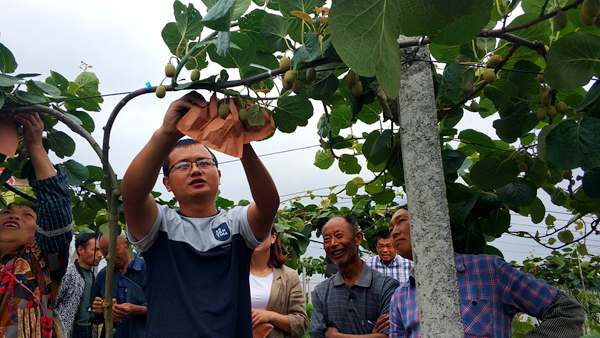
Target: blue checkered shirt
491	293
399	268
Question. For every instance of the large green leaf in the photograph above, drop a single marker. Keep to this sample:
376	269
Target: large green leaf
377	146
340	118
76	172
85	87
349	164
61	143
7	60
274	29
8	81
239	55
219	16
518	193
188	20
573	144
306	6
591	183
59	81
494	172
447	22
572	60
365	35
291	112
478	140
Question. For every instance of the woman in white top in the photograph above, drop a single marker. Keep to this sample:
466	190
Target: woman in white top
276	293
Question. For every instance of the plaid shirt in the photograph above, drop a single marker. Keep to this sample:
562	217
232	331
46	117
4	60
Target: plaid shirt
491	293
399	269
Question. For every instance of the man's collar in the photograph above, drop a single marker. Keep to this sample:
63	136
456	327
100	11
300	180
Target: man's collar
364	280
137	263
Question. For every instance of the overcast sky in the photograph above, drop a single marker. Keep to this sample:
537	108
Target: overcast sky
121	41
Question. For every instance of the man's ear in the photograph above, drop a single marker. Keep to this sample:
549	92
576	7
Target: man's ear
166	183
359	237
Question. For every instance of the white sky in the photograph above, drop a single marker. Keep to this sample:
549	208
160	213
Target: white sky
122	41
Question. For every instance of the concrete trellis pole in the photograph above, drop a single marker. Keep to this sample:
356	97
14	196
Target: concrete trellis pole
435	273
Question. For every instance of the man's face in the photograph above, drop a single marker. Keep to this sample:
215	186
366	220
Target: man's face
195	182
400	230
339	241
17	225
121	250
90	254
385	249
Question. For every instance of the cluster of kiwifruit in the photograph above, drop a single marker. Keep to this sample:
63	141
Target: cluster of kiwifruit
290	76
590	12
549	107
170	71
244	110
489	74
356	86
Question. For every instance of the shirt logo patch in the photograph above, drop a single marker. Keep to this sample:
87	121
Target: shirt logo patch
221	232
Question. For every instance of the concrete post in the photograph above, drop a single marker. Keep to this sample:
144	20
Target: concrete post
435	273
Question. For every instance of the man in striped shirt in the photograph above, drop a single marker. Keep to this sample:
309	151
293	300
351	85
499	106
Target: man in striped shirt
34	245
387	261
491	293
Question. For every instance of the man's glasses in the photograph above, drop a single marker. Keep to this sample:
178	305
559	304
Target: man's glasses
186	165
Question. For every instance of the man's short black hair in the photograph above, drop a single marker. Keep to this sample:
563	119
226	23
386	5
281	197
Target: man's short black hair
382	234
82	240
185	142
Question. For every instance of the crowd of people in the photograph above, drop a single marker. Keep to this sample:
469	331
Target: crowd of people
205	272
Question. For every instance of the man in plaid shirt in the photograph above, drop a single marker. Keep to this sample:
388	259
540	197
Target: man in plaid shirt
387	261
491	293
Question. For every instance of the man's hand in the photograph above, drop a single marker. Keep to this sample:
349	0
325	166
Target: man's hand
176	110
33	126
260	316
383	324
120	311
331	332
98	306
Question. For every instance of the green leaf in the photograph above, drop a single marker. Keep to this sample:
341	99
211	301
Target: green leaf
86	120
85	86
492	250
76	172
46	88
323	87
173	40
8	81
274	29
291	112
240	7
572	60
188	20
218	17
566	236
369	113
494	172
340	118
58	81
537	210
306	6
374	187
572	145
256	118
385	197
323	159
550	219
31	98
353	185
518	193
61	143
497	223
480	141
511	127
378	146
2	99
364	34
349	164
452	160
7	60
223	43
591	183
447	22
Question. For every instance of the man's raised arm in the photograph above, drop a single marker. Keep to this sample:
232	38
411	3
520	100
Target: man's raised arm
139	179
264	194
